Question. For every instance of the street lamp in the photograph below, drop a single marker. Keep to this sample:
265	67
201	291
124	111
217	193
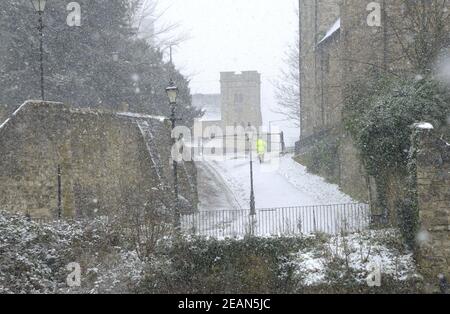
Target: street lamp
252	190
172	94
39	6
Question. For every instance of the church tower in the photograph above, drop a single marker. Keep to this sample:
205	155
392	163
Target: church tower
241	99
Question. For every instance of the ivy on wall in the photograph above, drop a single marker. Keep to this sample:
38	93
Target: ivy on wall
379	114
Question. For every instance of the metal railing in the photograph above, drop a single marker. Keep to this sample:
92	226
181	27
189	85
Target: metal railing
284	221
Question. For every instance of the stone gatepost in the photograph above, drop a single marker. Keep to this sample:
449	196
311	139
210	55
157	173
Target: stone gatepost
433	200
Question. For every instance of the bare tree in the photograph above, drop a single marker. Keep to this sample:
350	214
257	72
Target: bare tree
287	87
151	26
422	31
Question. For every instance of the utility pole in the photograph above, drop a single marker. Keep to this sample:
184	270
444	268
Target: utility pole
59	193
41	49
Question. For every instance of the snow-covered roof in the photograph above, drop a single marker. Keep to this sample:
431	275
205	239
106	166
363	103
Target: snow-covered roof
26	103
336	26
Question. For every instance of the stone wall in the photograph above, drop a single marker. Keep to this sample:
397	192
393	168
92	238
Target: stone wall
433	192
5	111
104	159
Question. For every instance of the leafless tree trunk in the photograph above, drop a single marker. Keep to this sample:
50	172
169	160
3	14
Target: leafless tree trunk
287	87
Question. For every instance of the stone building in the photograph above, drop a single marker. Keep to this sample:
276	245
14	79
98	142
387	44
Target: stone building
241	98
338	46
238	104
232	111
105	161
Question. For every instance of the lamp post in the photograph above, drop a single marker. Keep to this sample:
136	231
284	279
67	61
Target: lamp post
172	94
39	6
252	190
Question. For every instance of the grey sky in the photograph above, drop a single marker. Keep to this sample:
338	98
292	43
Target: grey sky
234	35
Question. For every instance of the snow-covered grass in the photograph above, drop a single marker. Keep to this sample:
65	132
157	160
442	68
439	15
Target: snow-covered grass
316	187
355	256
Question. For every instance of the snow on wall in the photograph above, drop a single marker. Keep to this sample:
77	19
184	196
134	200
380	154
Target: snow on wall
334	28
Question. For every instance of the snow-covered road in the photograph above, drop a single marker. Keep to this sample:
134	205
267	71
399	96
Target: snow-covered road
288	201
280	183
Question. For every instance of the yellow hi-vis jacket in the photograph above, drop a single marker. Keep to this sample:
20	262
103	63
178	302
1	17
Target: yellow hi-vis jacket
260	146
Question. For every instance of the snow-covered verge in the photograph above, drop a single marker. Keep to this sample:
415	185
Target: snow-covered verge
352	258
34	259
315	186
312	264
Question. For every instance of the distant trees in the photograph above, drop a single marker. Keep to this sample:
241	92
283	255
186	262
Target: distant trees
102	63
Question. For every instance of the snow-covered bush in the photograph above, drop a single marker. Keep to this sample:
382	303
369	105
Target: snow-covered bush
33	257
322	263
198	265
348	259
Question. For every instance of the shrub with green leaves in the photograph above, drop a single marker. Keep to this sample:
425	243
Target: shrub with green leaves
251	265
379	115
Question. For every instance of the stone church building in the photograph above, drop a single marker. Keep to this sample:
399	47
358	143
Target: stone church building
238	104
339	46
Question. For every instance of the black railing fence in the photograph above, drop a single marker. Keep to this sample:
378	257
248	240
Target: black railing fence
284	221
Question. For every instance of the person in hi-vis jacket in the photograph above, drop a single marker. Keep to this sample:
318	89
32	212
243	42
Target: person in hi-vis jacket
261	149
